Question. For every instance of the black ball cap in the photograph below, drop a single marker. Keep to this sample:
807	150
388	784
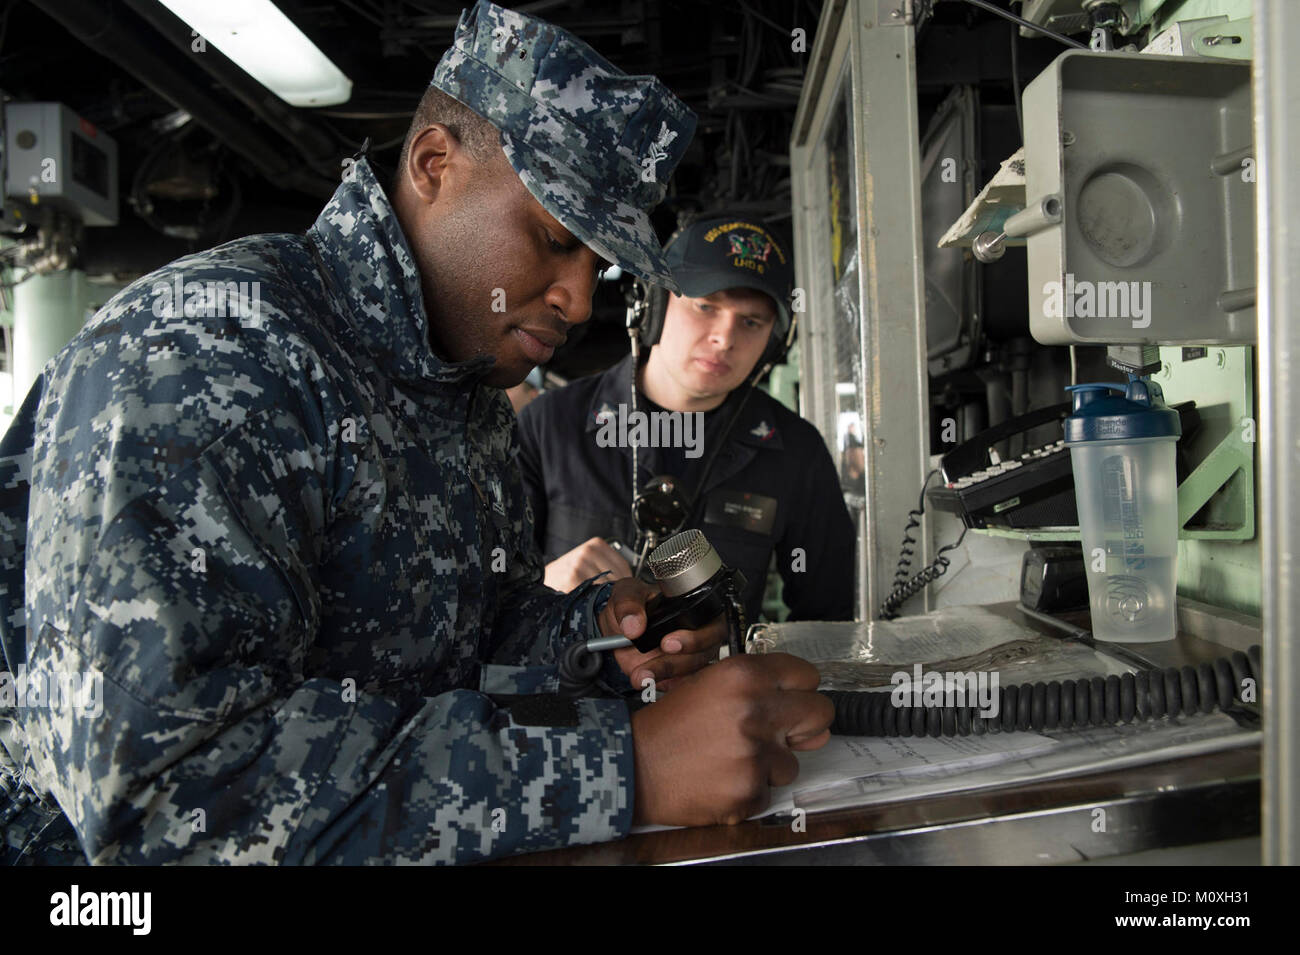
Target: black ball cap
723	252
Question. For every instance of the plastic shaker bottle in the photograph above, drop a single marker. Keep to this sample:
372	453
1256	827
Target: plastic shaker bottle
1122	450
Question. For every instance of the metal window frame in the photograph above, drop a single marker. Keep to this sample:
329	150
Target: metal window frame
875	40
1277	141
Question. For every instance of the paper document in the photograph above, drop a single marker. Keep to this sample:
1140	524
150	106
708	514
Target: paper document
1068	753
892	761
889	760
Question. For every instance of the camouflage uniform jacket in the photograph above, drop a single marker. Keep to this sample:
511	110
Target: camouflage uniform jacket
288	538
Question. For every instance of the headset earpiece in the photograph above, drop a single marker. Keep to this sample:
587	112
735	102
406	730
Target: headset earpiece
647	307
648	304
652	327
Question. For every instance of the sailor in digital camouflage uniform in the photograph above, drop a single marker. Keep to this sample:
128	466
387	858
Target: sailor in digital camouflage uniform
293	540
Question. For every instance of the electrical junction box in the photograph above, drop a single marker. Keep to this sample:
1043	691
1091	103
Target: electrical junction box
53	155
1143	169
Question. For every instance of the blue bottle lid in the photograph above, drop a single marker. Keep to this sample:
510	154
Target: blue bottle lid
1137	411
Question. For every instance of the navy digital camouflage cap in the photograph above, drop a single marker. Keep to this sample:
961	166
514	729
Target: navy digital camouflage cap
593	145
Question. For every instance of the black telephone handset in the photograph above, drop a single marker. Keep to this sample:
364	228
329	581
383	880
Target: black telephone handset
972	455
1033	489
696	588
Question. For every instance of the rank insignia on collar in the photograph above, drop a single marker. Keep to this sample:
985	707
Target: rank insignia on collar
606	412
763	431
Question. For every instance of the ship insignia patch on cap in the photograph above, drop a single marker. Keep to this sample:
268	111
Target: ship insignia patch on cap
752	246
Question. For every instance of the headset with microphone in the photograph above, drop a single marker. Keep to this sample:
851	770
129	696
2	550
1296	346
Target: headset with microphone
648	309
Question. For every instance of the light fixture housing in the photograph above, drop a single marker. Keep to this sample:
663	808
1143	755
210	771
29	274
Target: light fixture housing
262	41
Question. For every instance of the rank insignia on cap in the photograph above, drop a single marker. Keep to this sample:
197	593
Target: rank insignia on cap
658	153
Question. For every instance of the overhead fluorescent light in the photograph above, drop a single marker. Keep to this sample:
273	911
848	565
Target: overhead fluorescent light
263	42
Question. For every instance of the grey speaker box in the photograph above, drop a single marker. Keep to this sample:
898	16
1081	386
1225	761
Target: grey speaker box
1144	167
